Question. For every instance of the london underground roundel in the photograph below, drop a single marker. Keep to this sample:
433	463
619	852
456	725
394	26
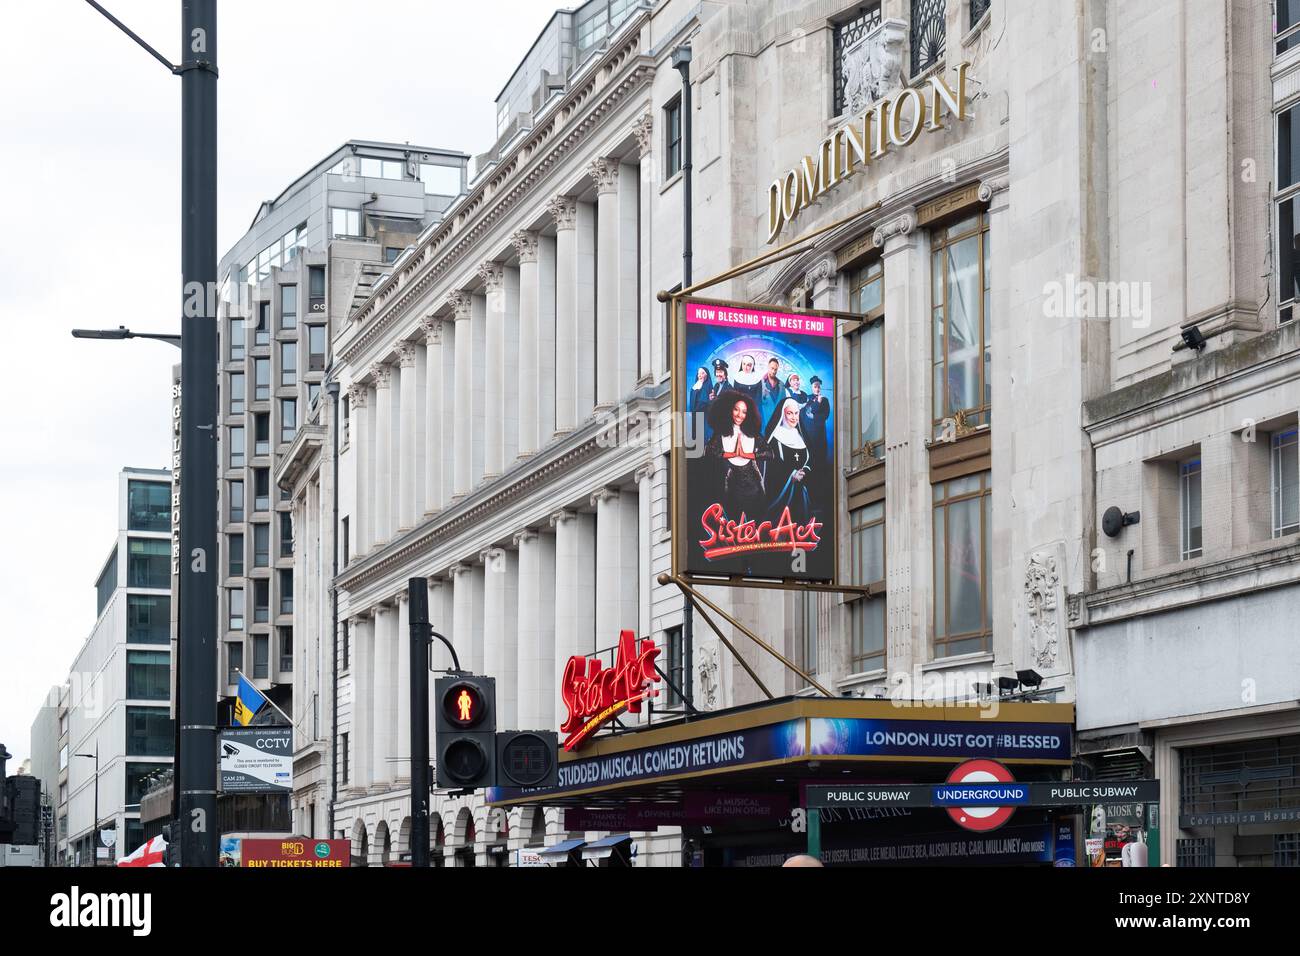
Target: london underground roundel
980	819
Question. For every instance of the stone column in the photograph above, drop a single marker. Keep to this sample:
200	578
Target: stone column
575	581
617	603
362	729
564	210
493	276
628	239
463	478
383	453
605	174
501	629
529	398
396	448
536	678
434	412
643	129
440	616
908	516
467	615
478	358
645	476
447	454
402	716
362	440
408	424
383	703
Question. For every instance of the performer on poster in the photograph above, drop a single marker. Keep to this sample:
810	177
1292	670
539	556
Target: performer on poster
789	467
794	389
697	403
813	417
721	382
748	380
771	390
736	448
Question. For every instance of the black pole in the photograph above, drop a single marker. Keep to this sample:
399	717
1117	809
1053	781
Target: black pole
197	679
94	830
417	590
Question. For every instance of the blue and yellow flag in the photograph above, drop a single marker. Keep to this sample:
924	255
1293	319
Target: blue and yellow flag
248	701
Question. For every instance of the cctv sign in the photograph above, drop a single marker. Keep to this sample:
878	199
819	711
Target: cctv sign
256	760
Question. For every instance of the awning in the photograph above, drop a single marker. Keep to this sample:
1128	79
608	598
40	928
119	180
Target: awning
603	849
561	849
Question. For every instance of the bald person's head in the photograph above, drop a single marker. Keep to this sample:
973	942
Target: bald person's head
803	859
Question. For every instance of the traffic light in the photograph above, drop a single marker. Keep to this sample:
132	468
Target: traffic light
465	731
527	758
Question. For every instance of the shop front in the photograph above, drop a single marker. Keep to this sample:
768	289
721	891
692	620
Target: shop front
738	782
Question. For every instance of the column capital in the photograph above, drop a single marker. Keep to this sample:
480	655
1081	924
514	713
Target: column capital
604	173
604	494
406	353
361	617
643	130
992	186
560	517
564	210
357	394
525	244
432	329
901	224
382	374
823	270
459	568
493	275
645	472
461	303
528	534
487	556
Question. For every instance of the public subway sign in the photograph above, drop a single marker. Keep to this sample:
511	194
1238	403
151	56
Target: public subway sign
894	122
595	694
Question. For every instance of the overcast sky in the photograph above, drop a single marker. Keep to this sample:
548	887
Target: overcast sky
89	237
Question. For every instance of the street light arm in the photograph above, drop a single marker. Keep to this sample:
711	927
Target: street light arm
122	332
134	36
161	337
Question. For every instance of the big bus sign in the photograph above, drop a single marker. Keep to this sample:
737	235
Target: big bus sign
595	694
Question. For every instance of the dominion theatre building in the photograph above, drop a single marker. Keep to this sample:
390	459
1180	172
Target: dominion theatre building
965	201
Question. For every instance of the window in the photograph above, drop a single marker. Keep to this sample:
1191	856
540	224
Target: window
1288	224
237	446
261	433
261	379
63	761
236	393
286	648
288	418
106	584
261	489
381	168
286	534
1286	28
928	34
867	368
960	289
286	590
347	420
674	665
867	614
346	553
288	306
343	758
263	334
148	619
234	661
440	180
1189	508
391	254
860	23
313	394
288	363
673	138
261	656
261	545
148	675
137	783
148	506
148	563
1286	483
347	646
236	501
236	340
236	602
963	616
315	347
806	651
345	222
316	290
977	10
148	732
236	556
261	601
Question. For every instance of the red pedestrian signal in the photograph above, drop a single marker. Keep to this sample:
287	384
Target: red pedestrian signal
463	704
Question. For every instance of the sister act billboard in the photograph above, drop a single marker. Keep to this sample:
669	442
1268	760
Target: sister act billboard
755	490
